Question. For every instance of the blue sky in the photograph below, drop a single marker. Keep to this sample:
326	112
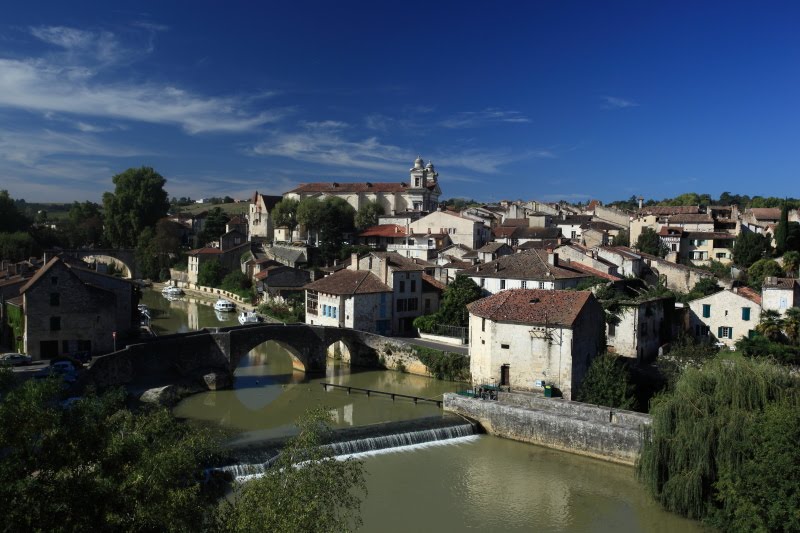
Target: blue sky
534	100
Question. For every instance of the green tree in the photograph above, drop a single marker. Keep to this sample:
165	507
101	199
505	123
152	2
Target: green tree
368	214
214	226
791	263
650	243
237	282
84	224
11	218
749	248
607	383
309	212
334	220
95	466
770	325
782	231
761	269
138	201
285	213
623	238
18	246
321	496
210	274
696	450
158	249
791	325
453	310
704	287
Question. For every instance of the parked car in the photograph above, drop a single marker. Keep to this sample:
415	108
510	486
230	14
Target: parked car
63	367
15	359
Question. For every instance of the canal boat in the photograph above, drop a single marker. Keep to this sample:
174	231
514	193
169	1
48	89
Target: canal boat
249	317
170	291
226	306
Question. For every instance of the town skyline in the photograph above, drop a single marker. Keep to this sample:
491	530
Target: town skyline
648	101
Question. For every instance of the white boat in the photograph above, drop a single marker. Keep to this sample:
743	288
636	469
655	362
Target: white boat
249	317
224	305
169	290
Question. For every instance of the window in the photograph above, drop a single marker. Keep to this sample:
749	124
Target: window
724	332
504	346
722	255
483	324
541	284
402	305
524	284
413	304
334	310
312	303
502	284
673	247
573	234
402	286
612	330
706	310
55	299
483	282
745	313
55	323
413	285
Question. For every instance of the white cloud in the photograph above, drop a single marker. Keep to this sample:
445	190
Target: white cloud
488	161
330	148
69	82
472	119
29	148
613	102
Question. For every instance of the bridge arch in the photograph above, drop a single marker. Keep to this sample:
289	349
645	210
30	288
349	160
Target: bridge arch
122	256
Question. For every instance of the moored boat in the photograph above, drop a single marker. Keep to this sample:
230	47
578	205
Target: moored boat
224	305
249	317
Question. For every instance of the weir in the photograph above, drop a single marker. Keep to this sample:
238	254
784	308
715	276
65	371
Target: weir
255	459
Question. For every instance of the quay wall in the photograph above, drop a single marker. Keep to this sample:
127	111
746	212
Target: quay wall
595	431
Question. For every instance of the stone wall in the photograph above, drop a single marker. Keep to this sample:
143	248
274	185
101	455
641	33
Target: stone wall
584	429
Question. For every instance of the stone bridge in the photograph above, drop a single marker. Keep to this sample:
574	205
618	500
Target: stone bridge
212	355
123	255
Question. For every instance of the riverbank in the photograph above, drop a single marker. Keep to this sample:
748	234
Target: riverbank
591	430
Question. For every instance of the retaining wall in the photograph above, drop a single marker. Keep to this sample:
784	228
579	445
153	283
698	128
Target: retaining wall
595	431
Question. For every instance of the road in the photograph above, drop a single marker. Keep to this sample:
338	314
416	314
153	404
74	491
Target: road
464	350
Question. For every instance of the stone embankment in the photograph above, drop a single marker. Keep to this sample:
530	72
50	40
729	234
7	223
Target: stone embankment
595	431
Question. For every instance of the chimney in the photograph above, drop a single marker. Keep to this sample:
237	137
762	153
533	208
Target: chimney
354	261
552	259
641	199
384	270
496	267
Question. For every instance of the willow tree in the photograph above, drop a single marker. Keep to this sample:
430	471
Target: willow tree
704	441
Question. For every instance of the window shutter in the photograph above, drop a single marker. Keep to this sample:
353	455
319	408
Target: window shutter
745	313
719	332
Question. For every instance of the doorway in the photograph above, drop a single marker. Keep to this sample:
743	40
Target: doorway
505	375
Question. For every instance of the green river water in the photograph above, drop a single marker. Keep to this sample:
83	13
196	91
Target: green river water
475	483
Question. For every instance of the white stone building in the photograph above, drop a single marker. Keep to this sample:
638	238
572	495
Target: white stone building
726	316
259	218
779	294
459	229
519	338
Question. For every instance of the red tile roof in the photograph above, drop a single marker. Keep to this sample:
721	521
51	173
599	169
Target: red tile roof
384	230
430	280
690	218
594	271
349	282
766	213
532	306
750	294
336	187
669	209
204	251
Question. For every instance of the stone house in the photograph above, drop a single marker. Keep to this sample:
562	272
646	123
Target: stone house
459	229
779	294
531	269
643	327
379	292
493	250
572	226
701	247
69	310
259	219
629	263
725	316
229	255
525	338
277	282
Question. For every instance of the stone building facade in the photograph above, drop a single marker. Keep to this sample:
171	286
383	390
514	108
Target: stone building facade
524	338
725	316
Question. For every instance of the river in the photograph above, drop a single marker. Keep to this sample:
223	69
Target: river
475	483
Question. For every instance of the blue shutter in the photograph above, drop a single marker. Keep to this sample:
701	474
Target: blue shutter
745	313
719	332
706	310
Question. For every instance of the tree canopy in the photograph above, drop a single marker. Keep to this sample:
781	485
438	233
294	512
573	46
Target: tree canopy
210	273
367	215
11	218
650	243
721	446
607	383
323	495
285	213
138	201
457	295
761	269
749	247
214	226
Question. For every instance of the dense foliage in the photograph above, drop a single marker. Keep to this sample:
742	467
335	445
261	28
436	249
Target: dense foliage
96	466
285	213
778	337
210	273
138	202
719	426
750	247
368	214
444	365
306	491
650	243
330	221
607	383
761	269
237	282
453	309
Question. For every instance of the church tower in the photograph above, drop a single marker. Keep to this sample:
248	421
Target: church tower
424	186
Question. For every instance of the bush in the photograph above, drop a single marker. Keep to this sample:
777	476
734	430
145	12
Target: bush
444	365
425	323
238	283
607	383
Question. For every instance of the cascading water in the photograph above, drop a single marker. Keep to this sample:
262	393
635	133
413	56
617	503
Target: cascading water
370	446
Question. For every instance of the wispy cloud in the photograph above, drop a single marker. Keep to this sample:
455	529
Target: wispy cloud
613	102
70	83
29	148
327	147
487	161
472	119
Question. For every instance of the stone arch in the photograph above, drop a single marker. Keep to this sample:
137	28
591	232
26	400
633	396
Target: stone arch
127	271
304	342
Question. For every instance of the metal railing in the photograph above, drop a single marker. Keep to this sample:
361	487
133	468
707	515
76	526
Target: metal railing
457	332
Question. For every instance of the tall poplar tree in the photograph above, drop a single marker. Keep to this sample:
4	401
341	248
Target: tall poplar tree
138	202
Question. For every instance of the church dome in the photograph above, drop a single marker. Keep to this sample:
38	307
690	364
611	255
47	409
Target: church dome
429	166
418	162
